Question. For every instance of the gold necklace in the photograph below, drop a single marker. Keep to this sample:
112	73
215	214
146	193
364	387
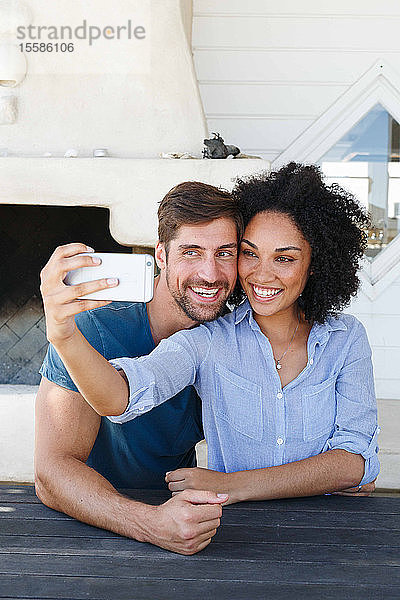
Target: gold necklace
278	362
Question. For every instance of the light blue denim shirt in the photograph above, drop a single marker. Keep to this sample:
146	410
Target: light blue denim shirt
249	420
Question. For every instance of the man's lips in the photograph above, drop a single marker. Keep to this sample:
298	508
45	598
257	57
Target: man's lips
205	294
264	293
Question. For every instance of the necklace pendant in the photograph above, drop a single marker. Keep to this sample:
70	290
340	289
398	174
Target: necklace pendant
278	365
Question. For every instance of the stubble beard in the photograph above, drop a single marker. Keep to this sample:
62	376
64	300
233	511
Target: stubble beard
199	314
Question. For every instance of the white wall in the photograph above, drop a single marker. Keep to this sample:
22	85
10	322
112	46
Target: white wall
267	70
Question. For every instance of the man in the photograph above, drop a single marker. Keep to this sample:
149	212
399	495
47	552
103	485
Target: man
81	459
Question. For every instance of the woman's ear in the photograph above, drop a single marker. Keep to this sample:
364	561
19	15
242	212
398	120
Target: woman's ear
160	256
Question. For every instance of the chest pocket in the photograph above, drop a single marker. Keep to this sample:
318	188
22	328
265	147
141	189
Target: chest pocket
238	402
319	409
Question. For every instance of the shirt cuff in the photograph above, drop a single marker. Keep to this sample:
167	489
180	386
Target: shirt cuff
137	404
344	440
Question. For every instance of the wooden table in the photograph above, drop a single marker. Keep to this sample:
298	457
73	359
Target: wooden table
322	547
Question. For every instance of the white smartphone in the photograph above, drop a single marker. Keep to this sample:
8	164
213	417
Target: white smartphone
135	273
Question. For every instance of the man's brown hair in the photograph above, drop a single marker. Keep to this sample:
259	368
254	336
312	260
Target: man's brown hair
193	202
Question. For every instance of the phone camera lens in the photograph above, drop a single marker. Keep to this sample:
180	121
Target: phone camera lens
148	263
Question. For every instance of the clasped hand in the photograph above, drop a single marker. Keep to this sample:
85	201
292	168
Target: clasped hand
198	478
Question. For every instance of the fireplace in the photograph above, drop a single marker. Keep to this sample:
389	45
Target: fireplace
28	236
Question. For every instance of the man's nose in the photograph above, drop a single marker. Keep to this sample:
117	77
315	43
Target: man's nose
209	270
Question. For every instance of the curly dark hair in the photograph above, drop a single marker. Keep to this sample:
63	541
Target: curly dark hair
329	218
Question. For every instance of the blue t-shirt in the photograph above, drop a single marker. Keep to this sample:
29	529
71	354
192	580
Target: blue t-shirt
136	454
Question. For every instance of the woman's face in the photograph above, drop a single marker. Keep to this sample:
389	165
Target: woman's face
274	263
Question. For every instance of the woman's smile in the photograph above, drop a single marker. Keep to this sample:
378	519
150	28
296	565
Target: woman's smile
265	294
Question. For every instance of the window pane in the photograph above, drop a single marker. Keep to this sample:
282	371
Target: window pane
366	161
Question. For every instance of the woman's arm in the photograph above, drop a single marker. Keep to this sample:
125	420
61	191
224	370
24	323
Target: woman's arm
98	381
349	457
328	472
139	384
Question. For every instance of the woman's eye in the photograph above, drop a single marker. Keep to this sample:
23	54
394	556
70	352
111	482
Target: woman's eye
284	259
249	253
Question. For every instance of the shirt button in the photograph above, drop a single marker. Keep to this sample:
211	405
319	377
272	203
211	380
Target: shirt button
140	408
279	395
311	361
279	441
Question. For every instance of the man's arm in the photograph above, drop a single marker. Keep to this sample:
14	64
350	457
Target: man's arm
328	472
66	429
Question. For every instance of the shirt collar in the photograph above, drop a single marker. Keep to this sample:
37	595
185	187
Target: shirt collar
319	330
242	311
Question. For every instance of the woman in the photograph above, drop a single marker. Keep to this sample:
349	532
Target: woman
287	386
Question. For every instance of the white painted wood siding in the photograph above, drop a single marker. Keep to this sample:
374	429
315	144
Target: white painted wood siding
267	70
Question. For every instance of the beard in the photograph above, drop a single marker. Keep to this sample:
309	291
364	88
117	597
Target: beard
195	310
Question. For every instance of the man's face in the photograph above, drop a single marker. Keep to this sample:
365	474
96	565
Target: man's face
201	268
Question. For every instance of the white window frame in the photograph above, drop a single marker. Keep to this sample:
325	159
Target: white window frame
379	85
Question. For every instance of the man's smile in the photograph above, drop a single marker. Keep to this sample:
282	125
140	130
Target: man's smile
205	293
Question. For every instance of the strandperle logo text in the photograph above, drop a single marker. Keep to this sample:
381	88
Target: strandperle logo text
91	33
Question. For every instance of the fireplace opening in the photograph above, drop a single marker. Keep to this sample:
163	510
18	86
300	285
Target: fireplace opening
28	236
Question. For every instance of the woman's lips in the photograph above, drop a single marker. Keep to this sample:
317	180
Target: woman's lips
265	294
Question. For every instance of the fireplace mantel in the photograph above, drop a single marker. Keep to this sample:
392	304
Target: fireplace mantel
130	188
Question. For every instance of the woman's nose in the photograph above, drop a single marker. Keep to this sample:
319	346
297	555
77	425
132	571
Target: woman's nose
264	273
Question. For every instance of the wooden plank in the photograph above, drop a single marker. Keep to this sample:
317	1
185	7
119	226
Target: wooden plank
130	549
10	493
289	66
342	536
17	493
290	7
369	521
31	511
226	533
26	494
195	568
321	504
296	31
268	99
52	527
275	518
36	587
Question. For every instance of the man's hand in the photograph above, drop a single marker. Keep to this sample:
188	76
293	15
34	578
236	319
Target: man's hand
198	478
185	523
66	429
365	490
60	301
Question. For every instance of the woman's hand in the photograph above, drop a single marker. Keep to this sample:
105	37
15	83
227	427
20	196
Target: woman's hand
198	478
60	301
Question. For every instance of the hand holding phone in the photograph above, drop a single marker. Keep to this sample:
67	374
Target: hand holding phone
97	278
135	274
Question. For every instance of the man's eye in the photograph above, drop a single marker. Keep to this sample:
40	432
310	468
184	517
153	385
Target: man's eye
225	254
190	253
